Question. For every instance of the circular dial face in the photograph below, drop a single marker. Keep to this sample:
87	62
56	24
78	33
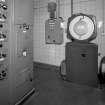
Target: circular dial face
81	27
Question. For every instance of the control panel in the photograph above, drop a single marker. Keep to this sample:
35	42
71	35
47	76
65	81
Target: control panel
53	31
16	50
3	39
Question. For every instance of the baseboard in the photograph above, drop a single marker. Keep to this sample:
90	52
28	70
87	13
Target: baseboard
44	66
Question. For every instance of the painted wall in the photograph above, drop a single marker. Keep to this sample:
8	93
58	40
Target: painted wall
54	54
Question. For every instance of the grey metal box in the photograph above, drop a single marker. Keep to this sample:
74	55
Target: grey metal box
53	31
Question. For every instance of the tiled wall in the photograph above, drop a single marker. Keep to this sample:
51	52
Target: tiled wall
54	54
45	53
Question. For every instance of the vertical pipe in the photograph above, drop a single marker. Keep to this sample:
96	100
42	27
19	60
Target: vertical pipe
58	9
103	17
71	7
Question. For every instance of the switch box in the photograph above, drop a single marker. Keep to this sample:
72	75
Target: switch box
53	31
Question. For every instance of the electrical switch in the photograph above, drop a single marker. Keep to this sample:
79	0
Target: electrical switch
1	45
3	17
1	25
2	36
3	55
4	7
1	59
24	53
3	73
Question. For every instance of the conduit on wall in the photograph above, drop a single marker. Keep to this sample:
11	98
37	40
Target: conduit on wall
58	9
103	18
71	7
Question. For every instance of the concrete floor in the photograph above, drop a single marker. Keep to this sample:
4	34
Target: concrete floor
51	90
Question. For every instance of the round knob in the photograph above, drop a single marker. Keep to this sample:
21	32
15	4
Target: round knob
4	7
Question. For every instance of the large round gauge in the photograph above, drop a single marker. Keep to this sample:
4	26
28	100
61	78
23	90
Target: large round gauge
81	27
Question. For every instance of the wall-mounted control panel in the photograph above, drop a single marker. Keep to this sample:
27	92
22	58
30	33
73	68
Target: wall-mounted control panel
53	31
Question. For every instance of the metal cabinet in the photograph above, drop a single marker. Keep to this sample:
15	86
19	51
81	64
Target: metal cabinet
82	63
16	50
